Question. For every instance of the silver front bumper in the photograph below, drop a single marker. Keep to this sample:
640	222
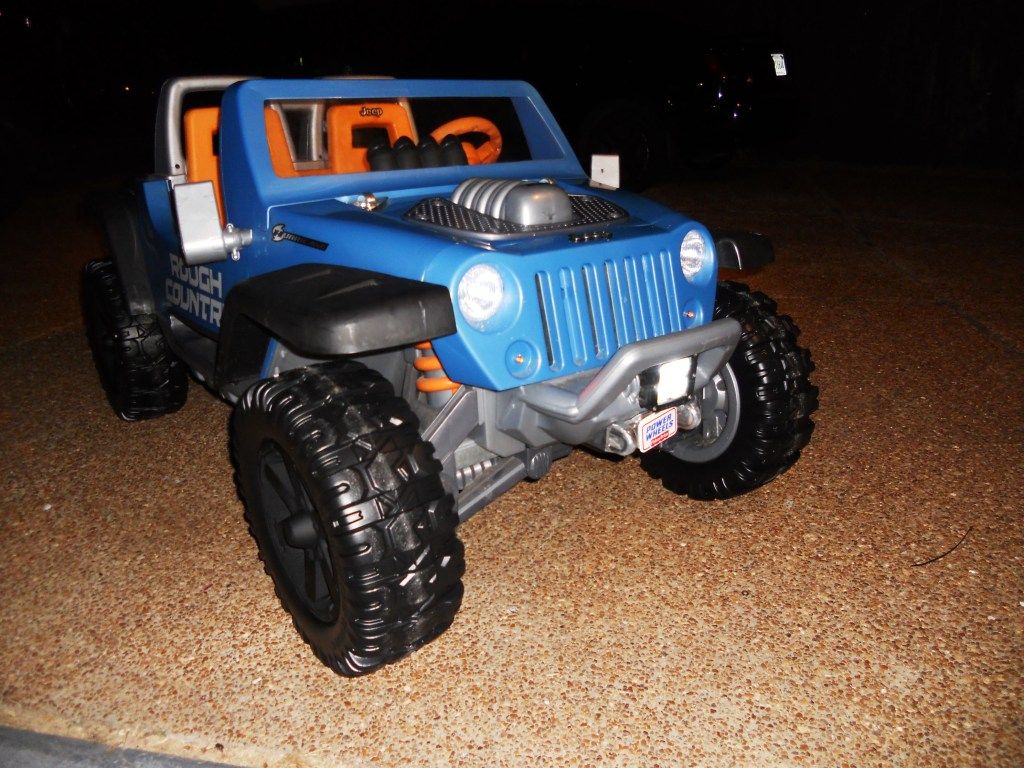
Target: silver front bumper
711	344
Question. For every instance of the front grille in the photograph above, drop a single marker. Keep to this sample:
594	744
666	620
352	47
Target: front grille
591	311
587	210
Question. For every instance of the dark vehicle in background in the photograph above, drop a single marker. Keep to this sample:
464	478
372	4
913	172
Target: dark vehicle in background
732	95
663	87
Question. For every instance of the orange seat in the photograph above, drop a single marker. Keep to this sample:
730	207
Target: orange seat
344	119
201	125
200	156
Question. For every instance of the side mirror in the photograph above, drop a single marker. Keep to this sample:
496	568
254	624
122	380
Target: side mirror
604	171
202	239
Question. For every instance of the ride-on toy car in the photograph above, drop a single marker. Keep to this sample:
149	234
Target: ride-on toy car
416	299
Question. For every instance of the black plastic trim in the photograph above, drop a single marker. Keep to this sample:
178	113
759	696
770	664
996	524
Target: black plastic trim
743	250
124	224
321	310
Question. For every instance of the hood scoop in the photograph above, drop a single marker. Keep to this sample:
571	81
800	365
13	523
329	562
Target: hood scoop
507	208
528	203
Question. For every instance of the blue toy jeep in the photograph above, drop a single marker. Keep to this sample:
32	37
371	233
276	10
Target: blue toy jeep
416	299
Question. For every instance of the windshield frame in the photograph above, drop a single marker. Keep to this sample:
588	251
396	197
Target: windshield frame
249	179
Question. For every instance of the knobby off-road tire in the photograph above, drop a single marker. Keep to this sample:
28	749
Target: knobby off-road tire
768	373
345	501
140	374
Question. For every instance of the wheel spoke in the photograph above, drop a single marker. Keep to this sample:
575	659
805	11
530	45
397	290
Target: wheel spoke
318	574
275	473
711	421
312	582
299	491
323	558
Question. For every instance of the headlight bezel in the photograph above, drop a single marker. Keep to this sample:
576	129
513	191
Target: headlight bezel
696	257
484	295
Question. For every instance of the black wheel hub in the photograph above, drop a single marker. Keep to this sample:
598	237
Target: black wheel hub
298	545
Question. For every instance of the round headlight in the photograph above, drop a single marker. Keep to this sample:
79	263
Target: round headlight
481	291
693	254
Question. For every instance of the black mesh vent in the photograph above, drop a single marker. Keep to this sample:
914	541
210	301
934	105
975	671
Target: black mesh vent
440	212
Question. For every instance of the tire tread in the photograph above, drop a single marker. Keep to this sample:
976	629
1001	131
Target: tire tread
775	425
377	486
150	380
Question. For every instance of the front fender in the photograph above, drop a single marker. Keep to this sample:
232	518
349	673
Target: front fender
320	310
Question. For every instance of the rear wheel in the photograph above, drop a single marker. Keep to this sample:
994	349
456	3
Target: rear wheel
755	414
141	376
345	501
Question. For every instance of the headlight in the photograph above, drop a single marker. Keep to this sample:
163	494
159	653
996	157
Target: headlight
481	291
693	254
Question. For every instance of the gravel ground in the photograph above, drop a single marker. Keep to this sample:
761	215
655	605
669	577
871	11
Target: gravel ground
606	621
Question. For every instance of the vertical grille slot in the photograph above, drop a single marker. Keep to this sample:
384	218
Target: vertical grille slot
573	315
668	264
545	321
590	313
634	291
597	311
548	318
618	298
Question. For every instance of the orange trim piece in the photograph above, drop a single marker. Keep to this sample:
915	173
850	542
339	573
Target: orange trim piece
436	385
343	119
428	363
488	152
203	165
277	142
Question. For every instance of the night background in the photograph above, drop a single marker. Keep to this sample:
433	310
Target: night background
922	82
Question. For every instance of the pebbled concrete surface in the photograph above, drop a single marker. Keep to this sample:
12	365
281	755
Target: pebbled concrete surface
606	621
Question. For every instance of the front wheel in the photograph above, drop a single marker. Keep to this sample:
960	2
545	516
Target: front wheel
755	414
345	501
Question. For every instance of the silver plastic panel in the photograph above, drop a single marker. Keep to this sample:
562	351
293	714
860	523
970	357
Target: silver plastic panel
713	342
202	239
536	205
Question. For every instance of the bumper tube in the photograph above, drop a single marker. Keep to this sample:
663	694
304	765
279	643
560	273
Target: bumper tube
713	344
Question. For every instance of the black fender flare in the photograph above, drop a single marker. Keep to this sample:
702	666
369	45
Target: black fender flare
129	237
743	250
323	311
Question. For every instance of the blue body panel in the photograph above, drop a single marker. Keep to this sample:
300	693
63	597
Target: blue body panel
568	306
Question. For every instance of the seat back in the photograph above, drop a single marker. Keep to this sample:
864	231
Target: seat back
201	125
201	159
344	119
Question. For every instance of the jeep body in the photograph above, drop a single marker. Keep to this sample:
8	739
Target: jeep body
416	299
315	264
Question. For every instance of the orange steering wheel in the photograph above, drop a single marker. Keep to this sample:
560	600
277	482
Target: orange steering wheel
487	152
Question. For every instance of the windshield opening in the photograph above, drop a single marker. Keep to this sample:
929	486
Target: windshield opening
332	136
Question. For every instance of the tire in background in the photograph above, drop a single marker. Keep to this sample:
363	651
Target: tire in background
636	135
140	374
